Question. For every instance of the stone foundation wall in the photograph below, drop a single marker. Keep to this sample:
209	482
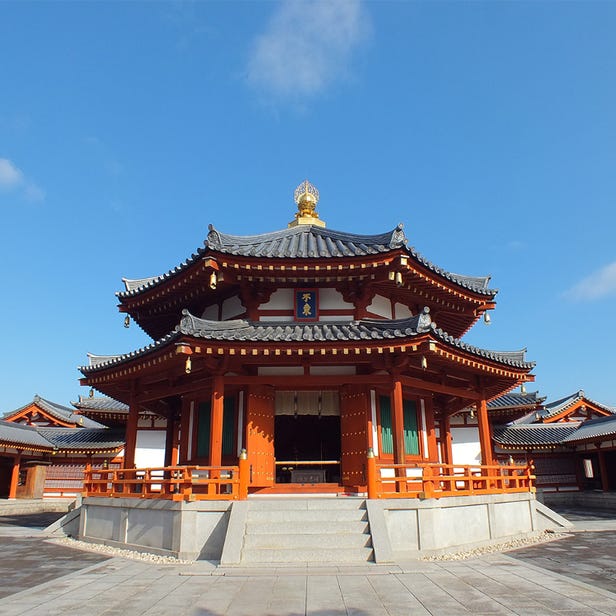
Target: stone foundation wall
186	530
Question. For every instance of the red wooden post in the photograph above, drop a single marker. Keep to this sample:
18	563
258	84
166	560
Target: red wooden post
216	421
372	473
131	431
15	476
398	431
485	439
427	482
244	472
446	440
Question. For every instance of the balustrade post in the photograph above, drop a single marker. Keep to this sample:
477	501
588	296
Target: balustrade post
244	472
371	472
427	482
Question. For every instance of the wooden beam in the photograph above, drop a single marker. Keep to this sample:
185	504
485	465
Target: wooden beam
409	381
294	381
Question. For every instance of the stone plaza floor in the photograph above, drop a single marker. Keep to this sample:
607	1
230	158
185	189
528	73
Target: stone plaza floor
572	575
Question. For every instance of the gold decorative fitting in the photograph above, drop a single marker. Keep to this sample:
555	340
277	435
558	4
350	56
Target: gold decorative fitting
306	197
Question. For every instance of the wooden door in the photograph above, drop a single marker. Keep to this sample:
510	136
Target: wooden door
260	436
354	413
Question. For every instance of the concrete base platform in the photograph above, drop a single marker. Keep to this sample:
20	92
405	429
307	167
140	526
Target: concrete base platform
390	530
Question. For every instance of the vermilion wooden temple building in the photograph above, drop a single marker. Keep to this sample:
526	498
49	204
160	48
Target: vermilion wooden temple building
307	348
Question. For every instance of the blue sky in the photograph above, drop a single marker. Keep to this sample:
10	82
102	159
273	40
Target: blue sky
488	128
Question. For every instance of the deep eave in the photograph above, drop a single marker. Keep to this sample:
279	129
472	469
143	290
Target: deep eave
308	252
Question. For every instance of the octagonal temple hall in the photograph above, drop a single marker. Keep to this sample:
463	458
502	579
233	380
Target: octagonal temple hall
306	361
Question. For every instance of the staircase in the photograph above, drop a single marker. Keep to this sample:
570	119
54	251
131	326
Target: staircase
297	530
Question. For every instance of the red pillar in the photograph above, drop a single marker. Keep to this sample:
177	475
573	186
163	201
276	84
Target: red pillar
485	438
429	427
398	422
447	450
185	453
218	398
131	432
15	476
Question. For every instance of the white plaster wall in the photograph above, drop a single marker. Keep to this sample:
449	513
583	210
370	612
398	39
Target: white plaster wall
150	450
330	299
281	299
402	311
285	370
211	313
231	307
333	370
465	445
380	305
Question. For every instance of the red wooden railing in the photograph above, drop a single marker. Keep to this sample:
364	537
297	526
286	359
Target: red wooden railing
178	483
186	483
441	480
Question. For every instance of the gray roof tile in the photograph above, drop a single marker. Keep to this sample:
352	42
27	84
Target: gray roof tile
62	413
240	330
100	403
83	438
593	428
533	435
18	434
306	242
516	400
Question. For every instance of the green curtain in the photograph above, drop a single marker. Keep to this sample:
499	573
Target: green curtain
228	427
411	433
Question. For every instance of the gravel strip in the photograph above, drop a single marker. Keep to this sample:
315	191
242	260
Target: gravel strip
505	546
120	552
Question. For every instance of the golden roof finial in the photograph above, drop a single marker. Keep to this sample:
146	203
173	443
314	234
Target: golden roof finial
306	197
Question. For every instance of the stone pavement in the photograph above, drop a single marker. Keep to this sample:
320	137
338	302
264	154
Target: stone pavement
492	584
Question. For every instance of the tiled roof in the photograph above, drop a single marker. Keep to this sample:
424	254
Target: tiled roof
306	242
533	435
62	413
17	434
100	403
83	439
516	400
240	330
593	428
558	406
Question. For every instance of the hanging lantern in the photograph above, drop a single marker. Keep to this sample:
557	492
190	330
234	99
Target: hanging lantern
523	388
213	280
399	279
127	321
91	392
486	318
424	362
472	413
188	365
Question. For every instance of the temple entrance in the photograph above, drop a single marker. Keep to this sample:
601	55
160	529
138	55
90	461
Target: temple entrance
307	437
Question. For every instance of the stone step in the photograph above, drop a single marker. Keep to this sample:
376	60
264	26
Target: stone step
308	555
307	527
280	541
315	515
296	504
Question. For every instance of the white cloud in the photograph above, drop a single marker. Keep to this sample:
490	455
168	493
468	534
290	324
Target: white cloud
33	193
10	176
307	45
13	179
599	284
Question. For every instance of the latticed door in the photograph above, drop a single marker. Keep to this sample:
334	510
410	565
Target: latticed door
354	412
260	435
